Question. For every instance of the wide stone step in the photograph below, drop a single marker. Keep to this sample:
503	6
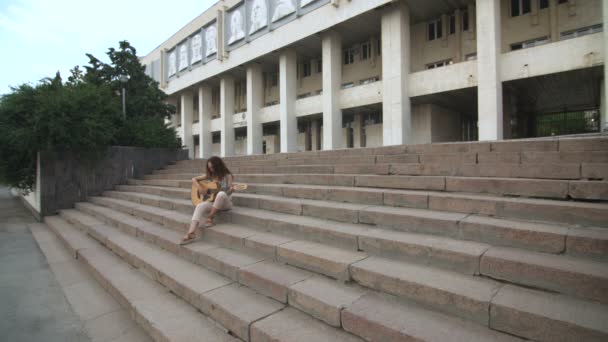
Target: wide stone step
458	255
334	263
550	238
324	299
381	318
579	213
321	298
150	304
528	313
461	256
581	278
233	306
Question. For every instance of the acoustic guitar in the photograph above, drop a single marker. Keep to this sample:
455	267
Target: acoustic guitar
210	190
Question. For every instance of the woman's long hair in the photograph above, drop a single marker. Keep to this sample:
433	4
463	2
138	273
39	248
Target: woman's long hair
219	168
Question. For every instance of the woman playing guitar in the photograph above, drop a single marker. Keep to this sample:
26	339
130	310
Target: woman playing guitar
219	173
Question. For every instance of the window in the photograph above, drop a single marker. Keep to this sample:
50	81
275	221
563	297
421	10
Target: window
366	51
319	65
452	23
520	7
215	138
582	32
349	56
471	56
274	79
435	29
439	64
530	43
215	97
465	20
562	2
306	69
544	4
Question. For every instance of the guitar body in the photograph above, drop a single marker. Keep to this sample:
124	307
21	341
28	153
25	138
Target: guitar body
210	189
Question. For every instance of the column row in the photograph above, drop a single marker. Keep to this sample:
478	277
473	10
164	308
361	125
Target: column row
396	104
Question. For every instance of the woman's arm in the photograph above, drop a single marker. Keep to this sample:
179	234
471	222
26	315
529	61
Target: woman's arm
229	184
196	180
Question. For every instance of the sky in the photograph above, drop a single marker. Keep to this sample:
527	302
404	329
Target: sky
40	37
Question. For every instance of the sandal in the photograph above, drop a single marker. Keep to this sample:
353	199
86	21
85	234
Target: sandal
209	223
188	238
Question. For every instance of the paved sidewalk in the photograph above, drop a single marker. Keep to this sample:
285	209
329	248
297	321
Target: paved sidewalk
46	294
33	307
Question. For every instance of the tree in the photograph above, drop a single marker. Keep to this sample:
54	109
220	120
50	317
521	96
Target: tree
81	115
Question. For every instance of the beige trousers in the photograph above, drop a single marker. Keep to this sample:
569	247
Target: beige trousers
222	202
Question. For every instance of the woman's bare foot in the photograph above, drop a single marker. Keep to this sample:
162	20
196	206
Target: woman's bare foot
188	238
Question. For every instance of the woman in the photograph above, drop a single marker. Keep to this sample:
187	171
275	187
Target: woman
217	172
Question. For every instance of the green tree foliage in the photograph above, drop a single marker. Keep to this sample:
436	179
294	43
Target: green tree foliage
82	115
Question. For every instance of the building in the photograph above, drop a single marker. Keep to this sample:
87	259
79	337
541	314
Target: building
267	76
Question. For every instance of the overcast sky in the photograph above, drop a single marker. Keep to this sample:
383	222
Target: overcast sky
41	37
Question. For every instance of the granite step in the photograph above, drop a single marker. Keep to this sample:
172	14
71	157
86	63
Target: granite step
523	312
458	255
328	300
233	306
446	253
572	212
573	278
149	303
320	297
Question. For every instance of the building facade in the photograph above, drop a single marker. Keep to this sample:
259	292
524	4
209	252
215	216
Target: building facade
268	76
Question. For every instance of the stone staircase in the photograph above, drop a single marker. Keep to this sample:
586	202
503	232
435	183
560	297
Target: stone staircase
475	241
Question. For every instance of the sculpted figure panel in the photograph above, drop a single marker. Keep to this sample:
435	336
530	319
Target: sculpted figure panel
197	43
282	9
259	17
183	57
210	40
237	31
172	62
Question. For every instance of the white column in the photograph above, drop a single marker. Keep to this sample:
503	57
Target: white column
187	110
331	45
604	93
226	113
287	106
255	92
204	121
396	106
489	88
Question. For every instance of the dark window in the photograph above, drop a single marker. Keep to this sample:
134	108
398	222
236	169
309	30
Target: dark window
465	20
515	8
439	28
544	4
452	24
562	1
432	31
307	69
520	7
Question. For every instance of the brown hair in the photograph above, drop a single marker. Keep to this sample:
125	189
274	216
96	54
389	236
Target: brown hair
219	168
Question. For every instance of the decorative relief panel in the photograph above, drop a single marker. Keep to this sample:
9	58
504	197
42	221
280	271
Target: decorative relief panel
282	8
210	40
183	57
196	48
259	16
237	26
172	63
